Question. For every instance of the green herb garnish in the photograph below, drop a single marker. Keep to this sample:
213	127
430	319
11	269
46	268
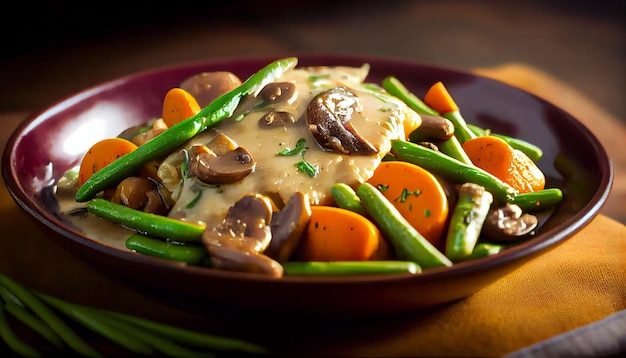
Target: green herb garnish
405	194
306	167
289	152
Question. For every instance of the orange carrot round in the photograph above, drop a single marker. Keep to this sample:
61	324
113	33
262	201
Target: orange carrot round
101	154
439	99
178	105
336	234
417	194
510	165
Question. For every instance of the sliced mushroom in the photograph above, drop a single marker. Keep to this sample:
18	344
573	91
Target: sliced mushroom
509	223
142	194
269	99
328	119
277	92
229	259
238	242
207	86
245	227
273	119
433	128
221	161
287	226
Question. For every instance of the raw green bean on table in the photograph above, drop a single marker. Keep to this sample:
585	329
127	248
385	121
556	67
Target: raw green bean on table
467	220
451	169
172	138
34	323
534	152
92	321
13	341
189	253
147	223
345	268
408	243
67	334
191	338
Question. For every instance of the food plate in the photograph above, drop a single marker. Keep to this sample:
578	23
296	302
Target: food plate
54	140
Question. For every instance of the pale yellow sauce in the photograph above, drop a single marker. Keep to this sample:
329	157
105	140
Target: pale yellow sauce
381	120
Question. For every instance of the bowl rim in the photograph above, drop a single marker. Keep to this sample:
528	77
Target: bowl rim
546	240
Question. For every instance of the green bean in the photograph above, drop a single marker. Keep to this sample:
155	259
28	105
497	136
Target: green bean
13	341
189	253
461	130
452	147
344	268
408	243
34	323
147	223
221	108
346	198
484	249
196	339
467	220
538	200
9	297
532	151
396	88
166	346
451	169
120	332
88	319
67	334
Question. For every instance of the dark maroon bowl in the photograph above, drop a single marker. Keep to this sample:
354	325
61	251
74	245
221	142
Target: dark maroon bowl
46	145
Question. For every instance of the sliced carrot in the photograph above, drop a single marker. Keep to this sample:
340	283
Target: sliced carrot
101	154
178	105
418	196
439	99
336	234
510	165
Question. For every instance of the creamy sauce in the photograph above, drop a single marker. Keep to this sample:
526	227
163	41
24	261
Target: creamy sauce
381	120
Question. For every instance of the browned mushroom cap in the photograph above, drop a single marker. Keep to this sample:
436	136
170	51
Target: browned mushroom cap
277	92
207	86
508	223
229	259
328	119
287	227
142	194
433	128
245	227
221	161
236	244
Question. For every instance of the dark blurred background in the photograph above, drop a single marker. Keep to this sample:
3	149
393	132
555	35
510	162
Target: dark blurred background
52	50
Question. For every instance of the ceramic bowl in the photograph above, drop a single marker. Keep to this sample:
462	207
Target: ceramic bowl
46	145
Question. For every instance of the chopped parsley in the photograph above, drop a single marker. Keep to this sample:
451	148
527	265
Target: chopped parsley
195	200
382	187
306	167
405	194
289	152
184	166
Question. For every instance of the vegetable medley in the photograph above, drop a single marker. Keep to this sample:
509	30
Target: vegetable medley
313	171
